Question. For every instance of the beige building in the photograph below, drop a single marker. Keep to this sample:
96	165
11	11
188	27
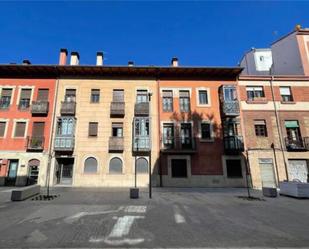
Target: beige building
106	127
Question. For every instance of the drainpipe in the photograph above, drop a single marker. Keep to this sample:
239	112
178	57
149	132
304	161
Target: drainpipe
50	151
159	127
278	126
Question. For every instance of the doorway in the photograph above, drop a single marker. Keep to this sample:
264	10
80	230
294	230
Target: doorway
186	136
64	171
267	173
12	173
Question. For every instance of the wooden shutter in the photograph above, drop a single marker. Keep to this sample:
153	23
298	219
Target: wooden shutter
25	94
93	129
2	128
43	94
6	92
118	95
38	129
20	129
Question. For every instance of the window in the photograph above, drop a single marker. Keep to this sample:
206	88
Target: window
230	93
91	165
168	135
206	131
233	168
117	129
141	133
179	168
20	128
24	101
254	92
141	165
2	129
202	97
260	128
292	131
70	95
167	101
65	126
95	96
5	100
43	95
93	129
184	100
286	94
115	166
142	96
38	129
118	95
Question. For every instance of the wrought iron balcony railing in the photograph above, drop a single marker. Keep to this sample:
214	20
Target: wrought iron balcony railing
117	108
299	144
230	108
178	144
64	143
141	109
68	108
233	144
141	144
39	107
115	144
35	143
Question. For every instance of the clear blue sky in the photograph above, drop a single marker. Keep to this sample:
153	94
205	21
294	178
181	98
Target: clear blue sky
149	33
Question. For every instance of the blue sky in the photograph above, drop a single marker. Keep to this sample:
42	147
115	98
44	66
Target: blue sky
149	33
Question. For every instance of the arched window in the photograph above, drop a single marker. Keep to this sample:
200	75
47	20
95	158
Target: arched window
141	165
115	166
91	165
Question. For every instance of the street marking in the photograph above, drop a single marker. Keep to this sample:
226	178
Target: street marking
177	215
123	225
77	216
135	209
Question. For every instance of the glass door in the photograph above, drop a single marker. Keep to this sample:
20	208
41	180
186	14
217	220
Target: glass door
186	136
12	174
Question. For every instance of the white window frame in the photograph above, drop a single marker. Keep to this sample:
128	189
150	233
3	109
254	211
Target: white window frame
198	99
8	87
6	126
20	88
14	127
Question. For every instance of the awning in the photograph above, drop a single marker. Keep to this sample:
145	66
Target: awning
291	124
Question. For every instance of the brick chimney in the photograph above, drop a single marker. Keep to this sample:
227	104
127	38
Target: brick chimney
74	59
26	62
174	62
130	63
100	58
63	56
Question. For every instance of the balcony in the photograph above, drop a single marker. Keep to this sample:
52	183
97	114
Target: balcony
233	145
39	107
115	144
64	143
35	143
68	108
141	144
117	108
300	144
141	109
178	145
230	108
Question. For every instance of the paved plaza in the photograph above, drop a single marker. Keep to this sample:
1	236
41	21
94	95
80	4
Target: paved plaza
101	218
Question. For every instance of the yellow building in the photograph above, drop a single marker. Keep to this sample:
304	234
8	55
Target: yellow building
105	127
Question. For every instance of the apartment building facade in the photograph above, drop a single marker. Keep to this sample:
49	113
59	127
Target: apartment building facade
26	109
275	110
106	126
200	134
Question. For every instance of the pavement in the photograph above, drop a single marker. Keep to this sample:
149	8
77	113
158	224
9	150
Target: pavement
173	218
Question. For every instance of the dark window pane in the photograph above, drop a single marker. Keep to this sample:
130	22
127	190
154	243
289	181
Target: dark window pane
91	165
141	165
115	166
233	168
205	131
179	168
203	98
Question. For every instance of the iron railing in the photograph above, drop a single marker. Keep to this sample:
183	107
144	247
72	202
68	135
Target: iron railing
233	144
68	108
117	108
141	109
178	143
39	107
64	143
115	144
298	144
35	143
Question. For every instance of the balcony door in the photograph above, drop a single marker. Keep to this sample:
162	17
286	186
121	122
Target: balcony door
12	173
186	136
293	131
141	96
64	171
168	136
65	126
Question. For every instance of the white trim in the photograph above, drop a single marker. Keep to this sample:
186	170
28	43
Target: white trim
212	135
6	120
175	90
83	166
198	89
109	160
14	126
169	165
8	87
20	88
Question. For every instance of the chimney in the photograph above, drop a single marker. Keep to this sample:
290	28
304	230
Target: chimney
74	59
26	62
174	62
63	56
130	63
100	58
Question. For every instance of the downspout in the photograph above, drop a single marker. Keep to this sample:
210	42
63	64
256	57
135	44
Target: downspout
159	127
279	127
50	152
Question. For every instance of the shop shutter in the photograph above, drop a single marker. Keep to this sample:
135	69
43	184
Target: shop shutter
43	94
25	94
267	173
20	129
38	129
298	171
93	129
2	128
